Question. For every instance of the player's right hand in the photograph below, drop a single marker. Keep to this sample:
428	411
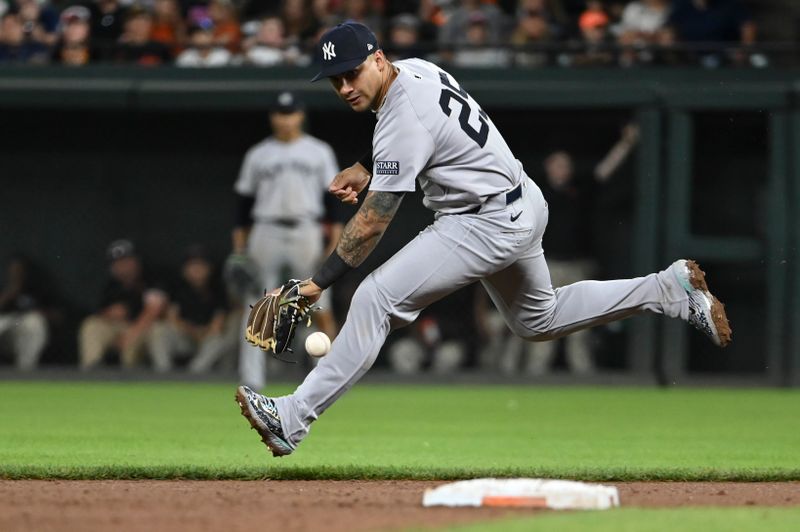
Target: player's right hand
349	183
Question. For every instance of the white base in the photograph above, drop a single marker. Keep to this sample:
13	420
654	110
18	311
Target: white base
524	492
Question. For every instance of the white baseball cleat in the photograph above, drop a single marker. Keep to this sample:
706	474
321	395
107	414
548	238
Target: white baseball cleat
706	312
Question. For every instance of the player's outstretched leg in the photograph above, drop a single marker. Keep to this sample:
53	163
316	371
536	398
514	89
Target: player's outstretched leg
263	416
706	312
536	312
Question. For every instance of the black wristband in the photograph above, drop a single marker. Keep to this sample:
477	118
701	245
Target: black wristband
331	271
366	160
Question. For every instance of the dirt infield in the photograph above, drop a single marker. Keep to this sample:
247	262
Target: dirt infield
157	506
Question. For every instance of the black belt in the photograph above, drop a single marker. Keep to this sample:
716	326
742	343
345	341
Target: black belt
511	197
284	222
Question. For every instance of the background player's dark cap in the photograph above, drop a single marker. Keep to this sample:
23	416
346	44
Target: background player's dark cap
119	249
343	48
287	102
196	252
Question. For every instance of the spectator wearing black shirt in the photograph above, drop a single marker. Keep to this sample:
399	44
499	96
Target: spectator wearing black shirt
128	311
614	202
566	200
135	45
108	20
23	326
569	260
568	256
198	321
710	21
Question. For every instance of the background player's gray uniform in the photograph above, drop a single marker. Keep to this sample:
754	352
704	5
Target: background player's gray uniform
289	181
429	127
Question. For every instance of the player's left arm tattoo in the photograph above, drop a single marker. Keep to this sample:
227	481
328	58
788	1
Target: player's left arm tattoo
364	230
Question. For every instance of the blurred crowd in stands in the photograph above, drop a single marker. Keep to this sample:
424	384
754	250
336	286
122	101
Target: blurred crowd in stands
468	33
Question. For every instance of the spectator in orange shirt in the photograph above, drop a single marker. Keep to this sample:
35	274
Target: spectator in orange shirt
168	25
227	32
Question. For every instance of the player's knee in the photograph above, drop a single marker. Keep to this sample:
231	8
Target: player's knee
534	332
542	337
366	295
528	334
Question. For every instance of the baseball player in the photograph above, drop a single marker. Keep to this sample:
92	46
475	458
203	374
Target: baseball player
280	190
490	218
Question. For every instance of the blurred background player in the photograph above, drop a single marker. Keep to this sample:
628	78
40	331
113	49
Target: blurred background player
130	306
281	193
23	326
198	323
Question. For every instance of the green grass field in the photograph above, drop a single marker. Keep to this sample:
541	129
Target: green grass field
188	430
650	520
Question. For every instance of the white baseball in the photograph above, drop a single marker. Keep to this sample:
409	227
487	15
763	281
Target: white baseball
318	344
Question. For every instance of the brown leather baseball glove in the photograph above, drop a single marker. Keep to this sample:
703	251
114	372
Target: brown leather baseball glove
273	319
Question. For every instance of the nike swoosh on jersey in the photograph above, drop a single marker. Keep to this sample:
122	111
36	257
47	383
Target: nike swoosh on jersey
514	218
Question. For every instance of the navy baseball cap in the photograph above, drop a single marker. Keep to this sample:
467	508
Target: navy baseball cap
343	48
119	249
287	102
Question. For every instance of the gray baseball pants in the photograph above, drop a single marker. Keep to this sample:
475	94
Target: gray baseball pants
501	246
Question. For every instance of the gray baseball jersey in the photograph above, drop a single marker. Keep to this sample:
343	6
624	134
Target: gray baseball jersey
287	179
430	129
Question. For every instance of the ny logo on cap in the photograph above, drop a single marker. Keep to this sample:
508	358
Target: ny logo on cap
328	52
285	99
